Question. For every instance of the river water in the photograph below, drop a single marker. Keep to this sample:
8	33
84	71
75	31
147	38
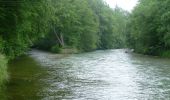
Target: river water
99	75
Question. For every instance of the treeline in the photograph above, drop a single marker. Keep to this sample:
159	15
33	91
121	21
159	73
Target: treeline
150	27
85	25
22	22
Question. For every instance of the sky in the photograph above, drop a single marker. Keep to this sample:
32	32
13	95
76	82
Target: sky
125	4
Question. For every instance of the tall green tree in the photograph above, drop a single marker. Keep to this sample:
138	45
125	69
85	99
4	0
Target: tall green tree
150	27
112	24
73	24
22	22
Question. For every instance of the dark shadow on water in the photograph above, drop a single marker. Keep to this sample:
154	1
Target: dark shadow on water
31	81
25	80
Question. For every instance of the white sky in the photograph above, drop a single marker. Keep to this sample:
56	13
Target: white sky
125	4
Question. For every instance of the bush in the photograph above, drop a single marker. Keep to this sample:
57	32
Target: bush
56	49
165	54
3	69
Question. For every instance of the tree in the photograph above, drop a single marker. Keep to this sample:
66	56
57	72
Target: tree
112	24
22	22
150	27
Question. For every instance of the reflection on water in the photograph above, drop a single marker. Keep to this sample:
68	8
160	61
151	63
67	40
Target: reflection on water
25	80
100	75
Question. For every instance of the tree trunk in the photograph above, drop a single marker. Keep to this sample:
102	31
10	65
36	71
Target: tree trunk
59	38
62	40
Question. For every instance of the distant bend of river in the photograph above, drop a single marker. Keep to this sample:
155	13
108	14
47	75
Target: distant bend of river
99	75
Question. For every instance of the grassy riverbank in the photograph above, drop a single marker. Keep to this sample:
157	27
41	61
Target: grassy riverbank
3	69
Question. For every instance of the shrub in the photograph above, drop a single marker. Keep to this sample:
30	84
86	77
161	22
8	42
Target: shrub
165	54
56	49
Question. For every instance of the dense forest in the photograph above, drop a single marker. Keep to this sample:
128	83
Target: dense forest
84	25
51	24
81	26
150	28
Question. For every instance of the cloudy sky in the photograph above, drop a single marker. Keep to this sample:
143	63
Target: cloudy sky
125	4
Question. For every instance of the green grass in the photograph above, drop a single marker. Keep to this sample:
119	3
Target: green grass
3	69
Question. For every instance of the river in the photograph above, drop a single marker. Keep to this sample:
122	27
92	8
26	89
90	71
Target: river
99	75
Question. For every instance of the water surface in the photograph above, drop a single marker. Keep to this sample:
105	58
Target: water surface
99	75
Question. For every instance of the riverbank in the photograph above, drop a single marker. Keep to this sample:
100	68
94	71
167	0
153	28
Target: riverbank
3	70
155	53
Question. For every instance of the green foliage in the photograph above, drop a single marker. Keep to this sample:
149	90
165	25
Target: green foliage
72	23
86	25
3	69
56	49
150	27
165	54
22	22
112	25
